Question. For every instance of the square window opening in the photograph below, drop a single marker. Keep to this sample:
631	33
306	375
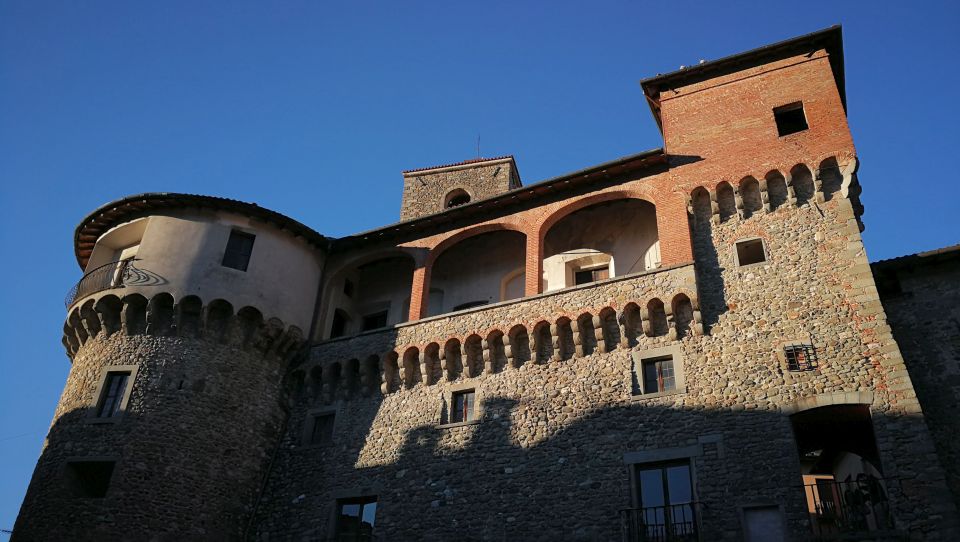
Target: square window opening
801	357
790	119
112	394
89	479
586	276
355	520
750	252
239	249
374	321
463	406
321	432
655	375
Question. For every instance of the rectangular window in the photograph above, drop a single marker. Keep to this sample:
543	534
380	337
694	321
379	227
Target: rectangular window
374	321
355	519
657	375
339	327
790	119
586	276
750	252
322	430
666	507
800	357
348	288
111	396
89	479
239	249
463	403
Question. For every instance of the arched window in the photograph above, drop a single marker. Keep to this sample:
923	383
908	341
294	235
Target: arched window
456	198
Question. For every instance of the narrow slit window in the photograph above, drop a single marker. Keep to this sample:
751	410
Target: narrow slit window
790	119
239	249
111	398
750	252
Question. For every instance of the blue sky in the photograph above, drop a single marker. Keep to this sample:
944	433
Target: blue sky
312	109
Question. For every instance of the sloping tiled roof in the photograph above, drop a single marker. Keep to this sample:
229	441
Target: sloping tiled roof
465	162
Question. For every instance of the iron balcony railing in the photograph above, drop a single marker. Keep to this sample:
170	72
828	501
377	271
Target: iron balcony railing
851	508
105	277
672	523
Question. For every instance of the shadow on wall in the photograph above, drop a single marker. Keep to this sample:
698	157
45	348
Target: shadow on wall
541	467
707	262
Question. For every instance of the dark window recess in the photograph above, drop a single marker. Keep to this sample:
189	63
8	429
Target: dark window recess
339	327
322	430
239	248
463	402
751	251
657	375
790	119
374	321
355	519
801	357
469	305
458	200
667	510
586	276
112	395
89	479
348	288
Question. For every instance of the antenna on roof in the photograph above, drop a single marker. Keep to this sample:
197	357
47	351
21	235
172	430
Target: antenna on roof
478	145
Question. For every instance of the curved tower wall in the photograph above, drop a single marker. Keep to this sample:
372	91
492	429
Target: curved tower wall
206	349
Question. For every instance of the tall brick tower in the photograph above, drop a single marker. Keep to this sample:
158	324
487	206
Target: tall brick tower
179	334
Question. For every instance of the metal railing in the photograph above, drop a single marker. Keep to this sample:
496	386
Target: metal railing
105	277
854	507
672	523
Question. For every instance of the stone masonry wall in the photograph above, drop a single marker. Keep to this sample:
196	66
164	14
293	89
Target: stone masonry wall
922	301
193	442
424	190
547	458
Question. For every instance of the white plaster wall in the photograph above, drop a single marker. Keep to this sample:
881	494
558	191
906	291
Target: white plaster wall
625	230
474	269
378	285
182	251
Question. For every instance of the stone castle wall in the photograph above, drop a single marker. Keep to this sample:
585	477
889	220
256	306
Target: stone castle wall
548	457
921	295
424	190
195	437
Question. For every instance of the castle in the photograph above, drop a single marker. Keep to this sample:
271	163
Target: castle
683	344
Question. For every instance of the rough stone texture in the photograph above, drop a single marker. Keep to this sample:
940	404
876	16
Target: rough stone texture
425	190
191	447
921	295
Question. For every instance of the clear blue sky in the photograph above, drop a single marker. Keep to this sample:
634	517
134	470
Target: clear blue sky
313	109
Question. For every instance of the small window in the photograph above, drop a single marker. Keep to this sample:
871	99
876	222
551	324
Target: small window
800	357
89	479
374	321
321	430
355	519
348	288
469	305
339	327
790	119
750	252
656	375
586	276
239	248
112	394
463	403
456	198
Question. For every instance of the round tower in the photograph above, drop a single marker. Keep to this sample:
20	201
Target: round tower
180	331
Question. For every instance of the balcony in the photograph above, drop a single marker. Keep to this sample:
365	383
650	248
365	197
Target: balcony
106	277
672	523
850	510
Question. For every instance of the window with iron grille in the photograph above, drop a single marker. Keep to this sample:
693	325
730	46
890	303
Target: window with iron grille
239	249
800	357
111	398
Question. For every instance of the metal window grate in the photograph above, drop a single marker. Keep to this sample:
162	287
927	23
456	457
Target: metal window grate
801	357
